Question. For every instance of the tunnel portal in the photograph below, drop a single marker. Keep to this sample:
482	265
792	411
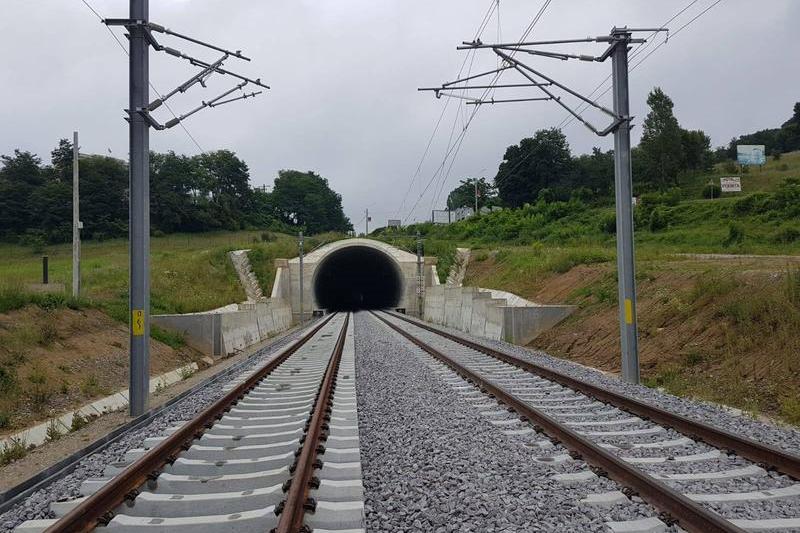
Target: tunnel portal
357	277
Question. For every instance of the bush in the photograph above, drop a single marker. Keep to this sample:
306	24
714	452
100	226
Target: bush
735	235
752	204
608	224
13	450
658	220
787	235
776	156
712	190
5	420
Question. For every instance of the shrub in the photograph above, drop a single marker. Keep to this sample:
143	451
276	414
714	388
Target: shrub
53	432
78	421
608	224
658	220
12	451
8	379
752	203
783	167
712	190
776	156
39	392
787	235
735	235
5	420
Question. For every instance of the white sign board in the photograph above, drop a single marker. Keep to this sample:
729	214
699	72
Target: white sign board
393	223
751	154
733	184
440	217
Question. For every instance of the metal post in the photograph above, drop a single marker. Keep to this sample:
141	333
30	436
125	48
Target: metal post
45	270
366	221
420	278
139	210
76	217
300	248
624	198
476	196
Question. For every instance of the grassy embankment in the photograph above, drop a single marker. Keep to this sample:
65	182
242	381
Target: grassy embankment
718	329
56	351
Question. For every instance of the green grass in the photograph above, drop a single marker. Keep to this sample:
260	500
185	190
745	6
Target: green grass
766	179
189	272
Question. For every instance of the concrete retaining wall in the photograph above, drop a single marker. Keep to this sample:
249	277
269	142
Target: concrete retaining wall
476	311
220	334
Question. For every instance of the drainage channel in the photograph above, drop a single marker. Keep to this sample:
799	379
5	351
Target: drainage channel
278	452
693	483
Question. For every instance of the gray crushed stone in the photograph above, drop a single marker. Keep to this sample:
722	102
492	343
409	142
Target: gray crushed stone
784	437
432	463
37	505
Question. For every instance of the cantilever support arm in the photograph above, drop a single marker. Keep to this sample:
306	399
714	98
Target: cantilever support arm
522	68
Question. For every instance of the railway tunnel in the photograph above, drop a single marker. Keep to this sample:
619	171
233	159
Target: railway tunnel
357	277
352	274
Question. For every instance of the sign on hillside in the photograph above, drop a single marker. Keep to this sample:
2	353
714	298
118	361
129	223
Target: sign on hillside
393	223
751	154
732	184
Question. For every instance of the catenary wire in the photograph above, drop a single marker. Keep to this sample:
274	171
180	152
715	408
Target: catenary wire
567	121
525	35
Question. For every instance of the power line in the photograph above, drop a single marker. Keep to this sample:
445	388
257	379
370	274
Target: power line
494	80
641	48
125	50
478	32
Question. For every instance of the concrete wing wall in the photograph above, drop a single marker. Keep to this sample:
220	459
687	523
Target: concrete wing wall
475	311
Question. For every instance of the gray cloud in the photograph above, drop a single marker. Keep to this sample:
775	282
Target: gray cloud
345	72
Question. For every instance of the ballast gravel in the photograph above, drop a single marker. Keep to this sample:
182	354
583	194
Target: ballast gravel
37	505
784	437
432	463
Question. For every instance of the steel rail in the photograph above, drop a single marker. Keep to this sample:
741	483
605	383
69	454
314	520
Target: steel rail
297	500
688	514
96	508
767	456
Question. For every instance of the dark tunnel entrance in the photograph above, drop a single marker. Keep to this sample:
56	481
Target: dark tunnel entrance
357	277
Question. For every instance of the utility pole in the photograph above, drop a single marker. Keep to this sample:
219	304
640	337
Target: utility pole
366	221
139	96
141	37
618	42
476	196
76	221
300	249
623	187
420	279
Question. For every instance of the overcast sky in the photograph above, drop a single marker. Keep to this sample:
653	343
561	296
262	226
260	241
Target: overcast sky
344	75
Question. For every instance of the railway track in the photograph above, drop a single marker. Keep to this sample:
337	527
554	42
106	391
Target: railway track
700	477
278	452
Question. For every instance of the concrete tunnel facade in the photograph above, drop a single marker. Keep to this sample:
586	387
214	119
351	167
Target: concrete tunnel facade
353	274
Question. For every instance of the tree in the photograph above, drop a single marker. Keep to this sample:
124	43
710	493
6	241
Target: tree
226	179
541	162
595	172
304	199
696	150
20	175
61	159
662	142
464	194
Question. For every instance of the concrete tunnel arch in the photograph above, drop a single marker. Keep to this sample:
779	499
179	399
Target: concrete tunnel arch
330	281
357	277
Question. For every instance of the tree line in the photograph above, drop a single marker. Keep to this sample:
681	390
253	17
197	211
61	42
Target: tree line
543	166
205	192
